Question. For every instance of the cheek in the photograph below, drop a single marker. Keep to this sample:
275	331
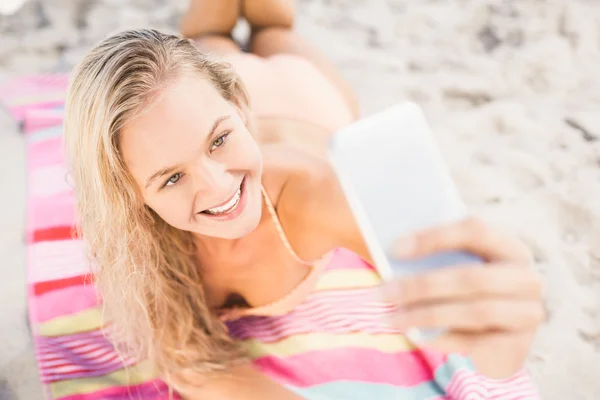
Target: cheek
172	207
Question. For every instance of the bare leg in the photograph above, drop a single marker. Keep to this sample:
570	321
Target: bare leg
272	22
210	23
265	14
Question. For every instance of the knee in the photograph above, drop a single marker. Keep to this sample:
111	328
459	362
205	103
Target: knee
269	13
272	39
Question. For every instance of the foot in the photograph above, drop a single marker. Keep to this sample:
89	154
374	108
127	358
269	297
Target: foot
269	13
210	17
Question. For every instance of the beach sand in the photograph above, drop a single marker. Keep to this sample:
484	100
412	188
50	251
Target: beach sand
511	88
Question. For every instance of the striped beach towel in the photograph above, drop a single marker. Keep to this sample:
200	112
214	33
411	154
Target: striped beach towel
325	341
75	360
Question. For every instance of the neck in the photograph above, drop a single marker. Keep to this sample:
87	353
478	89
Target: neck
256	267
211	248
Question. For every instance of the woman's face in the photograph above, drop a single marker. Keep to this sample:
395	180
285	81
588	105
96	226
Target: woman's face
195	161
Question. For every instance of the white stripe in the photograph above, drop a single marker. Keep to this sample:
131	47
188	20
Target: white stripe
48	181
60	259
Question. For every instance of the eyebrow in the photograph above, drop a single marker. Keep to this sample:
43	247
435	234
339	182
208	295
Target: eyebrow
167	170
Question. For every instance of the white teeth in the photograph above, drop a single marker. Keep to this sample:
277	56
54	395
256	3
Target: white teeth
229	206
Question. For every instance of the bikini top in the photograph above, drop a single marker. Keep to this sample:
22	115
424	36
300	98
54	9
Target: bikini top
293	298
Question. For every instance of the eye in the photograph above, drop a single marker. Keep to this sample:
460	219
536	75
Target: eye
219	141
173	180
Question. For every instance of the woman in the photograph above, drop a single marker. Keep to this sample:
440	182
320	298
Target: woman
202	214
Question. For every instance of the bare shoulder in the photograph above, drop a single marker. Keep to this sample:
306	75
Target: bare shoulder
292	170
310	203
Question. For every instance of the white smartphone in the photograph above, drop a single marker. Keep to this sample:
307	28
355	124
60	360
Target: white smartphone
396	182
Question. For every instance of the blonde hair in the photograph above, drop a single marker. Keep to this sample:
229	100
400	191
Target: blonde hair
153	298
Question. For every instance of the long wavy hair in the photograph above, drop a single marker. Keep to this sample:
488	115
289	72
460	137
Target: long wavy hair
150	283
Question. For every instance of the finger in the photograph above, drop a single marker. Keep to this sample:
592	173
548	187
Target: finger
471	235
508	349
464	282
477	316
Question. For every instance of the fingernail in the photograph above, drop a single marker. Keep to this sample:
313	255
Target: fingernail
404	247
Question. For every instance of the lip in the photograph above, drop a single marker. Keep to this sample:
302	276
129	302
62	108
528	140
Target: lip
226	201
236	212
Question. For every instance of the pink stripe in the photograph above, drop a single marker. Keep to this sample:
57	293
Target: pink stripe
36	120
66	301
152	390
46	152
346	259
344	300
469	388
469	384
363	365
338	327
53	346
102	358
334	311
520	387
28	84
73	340
97	355
275	333
58	210
84	373
77	356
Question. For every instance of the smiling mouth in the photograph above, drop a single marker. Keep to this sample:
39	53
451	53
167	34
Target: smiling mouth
228	206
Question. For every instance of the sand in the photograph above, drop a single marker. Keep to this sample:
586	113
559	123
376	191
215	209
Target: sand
511	88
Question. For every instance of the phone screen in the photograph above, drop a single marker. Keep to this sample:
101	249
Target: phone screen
396	182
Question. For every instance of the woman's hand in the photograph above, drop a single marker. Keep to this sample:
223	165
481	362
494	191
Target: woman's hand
491	311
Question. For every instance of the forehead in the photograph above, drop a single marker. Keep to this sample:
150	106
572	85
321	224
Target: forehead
178	120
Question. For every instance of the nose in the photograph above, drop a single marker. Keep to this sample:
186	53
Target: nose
211	178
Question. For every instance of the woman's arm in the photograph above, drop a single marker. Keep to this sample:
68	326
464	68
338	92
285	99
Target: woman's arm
241	382
316	215
491	309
